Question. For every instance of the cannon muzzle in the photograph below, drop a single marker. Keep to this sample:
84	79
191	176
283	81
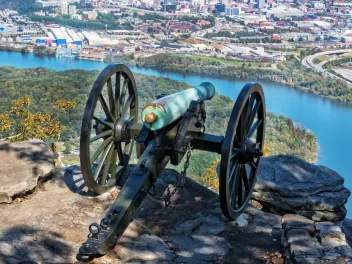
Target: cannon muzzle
166	110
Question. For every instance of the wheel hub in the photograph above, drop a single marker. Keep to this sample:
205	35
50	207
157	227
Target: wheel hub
120	131
249	151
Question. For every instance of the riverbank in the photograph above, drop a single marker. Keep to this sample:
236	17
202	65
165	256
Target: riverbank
290	73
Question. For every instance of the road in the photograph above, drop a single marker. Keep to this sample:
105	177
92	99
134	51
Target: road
308	62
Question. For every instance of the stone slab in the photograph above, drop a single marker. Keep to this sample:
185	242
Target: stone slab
22	164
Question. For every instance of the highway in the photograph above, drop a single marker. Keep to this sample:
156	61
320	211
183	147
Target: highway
308	62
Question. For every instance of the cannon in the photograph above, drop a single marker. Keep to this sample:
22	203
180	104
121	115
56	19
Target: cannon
170	128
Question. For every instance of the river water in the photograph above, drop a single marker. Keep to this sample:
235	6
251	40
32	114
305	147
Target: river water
330	121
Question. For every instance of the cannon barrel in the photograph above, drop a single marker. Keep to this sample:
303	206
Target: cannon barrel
164	111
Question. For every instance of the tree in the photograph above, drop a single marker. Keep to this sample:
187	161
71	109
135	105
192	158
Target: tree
21	124
68	147
302	54
25	50
211	176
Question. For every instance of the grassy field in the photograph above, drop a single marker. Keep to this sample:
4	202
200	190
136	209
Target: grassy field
71	159
60	146
236	63
323	57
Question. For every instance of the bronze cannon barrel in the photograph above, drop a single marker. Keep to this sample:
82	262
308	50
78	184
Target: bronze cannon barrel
164	111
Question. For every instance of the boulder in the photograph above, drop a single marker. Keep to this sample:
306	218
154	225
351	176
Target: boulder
288	184
22	164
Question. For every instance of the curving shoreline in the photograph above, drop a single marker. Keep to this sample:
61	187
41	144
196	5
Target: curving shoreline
285	75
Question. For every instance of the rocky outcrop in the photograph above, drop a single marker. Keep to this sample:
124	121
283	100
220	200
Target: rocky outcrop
51	225
287	184
22	164
306	241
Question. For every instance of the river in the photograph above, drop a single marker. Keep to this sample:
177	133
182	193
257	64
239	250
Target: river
330	121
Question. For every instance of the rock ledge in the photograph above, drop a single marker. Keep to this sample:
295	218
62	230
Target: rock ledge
287	184
22	164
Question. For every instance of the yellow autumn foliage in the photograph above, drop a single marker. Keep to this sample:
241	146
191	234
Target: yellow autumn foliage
63	105
26	125
18	108
211	176
5	123
266	151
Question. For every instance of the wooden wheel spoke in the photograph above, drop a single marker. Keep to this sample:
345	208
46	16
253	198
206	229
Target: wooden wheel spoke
232	185
117	93
101	135
100	149
232	172
254	113
235	152
102	161
107	124
111	98
120	154
249	111
105	108
254	128
242	124
239	187
113	163
123	92
126	107
245	179
107	167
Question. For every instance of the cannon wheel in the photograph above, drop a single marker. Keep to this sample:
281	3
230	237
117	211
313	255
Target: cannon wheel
105	148
241	150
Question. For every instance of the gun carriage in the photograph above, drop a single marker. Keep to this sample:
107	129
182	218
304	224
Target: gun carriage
170	128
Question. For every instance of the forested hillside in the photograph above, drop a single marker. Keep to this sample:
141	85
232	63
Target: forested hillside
47	86
22	6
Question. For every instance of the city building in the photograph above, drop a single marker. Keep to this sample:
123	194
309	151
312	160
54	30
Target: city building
346	39
72	10
64	7
226	2
282	12
46	3
259	3
119	2
91	15
233	11
200	3
220	8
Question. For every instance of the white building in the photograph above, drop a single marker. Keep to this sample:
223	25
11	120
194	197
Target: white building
46	3
282	12
119	2
72	10
233	11
64	7
199	3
